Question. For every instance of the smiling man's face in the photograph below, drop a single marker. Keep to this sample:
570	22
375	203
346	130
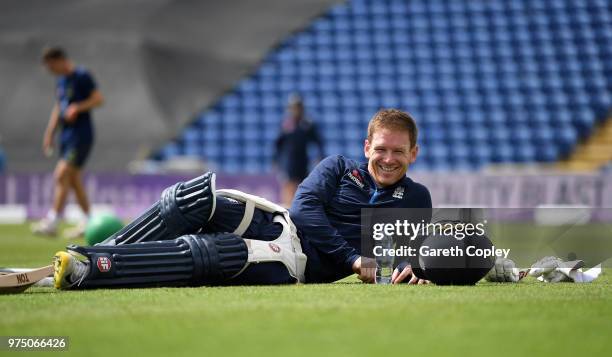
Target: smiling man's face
389	154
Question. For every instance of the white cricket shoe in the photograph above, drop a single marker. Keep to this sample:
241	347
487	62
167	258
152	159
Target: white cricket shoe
45	227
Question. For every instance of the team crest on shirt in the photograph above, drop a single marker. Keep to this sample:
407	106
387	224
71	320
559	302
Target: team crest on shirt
356	178
399	192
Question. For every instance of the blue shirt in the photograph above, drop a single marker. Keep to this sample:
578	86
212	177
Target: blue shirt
74	88
327	212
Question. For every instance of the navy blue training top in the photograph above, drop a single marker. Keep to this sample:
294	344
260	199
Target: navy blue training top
291	149
327	212
73	88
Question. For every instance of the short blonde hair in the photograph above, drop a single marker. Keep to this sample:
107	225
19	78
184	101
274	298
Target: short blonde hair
394	119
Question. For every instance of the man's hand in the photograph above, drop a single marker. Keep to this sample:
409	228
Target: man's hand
71	112
406	271
365	268
48	144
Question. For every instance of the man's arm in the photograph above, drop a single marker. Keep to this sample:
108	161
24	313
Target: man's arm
308	213
94	100
50	131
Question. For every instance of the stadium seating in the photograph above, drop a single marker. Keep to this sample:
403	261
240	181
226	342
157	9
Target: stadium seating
488	82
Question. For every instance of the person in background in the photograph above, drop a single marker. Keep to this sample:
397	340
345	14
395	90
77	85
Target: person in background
76	95
2	158
291	148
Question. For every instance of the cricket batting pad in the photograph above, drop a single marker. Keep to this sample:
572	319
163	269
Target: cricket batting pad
182	209
191	260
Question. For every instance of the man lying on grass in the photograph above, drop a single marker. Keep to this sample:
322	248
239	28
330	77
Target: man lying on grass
197	235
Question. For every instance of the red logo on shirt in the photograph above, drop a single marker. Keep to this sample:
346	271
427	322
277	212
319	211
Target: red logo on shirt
357	175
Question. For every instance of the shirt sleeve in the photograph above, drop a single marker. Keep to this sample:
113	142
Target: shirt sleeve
88	84
308	212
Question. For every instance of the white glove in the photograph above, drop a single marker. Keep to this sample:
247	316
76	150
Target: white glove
554	270
504	271
546	270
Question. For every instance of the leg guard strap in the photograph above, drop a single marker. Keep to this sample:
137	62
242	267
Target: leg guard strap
251	202
286	249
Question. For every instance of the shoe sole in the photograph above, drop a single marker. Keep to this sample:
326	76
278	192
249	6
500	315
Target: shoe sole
60	264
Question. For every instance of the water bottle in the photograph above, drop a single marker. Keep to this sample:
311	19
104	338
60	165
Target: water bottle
384	262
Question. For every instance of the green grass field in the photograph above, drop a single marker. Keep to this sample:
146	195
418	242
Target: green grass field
342	319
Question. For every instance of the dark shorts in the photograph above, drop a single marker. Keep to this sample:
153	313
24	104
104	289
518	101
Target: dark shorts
75	154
